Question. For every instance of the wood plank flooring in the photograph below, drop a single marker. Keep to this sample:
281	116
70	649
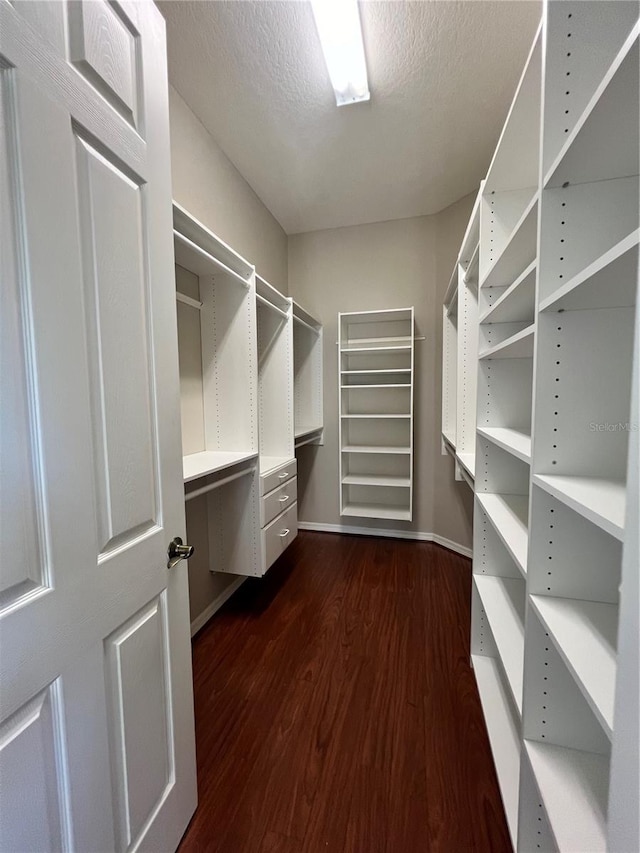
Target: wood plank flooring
336	709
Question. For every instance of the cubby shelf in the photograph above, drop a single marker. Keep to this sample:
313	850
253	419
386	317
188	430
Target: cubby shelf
584	633
592	152
503	603
597	499
504	735
519	251
573	787
519	345
608	282
376	511
513	441
376	480
509	516
517	303
196	465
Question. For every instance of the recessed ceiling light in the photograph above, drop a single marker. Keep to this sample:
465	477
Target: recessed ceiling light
338	23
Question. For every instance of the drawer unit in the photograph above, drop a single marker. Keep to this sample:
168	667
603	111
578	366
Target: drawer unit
278	500
278	476
280	533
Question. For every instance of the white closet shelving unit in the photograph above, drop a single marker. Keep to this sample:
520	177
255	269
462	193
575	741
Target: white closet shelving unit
307	378
218	379
278	482
555	586
460	350
375	379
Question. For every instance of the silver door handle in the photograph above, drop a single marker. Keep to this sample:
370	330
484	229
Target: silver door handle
284	533
282	476
177	551
283	498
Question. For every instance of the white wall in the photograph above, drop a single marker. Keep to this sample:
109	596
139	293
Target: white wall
384	265
207	184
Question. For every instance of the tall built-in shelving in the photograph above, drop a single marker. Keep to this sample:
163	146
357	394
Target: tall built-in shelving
375	379
555	574
307	377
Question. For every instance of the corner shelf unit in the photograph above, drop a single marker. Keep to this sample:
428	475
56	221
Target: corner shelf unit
307	378
460	350
215	290
555	594
375	389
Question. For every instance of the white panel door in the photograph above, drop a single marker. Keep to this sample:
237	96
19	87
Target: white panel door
96	707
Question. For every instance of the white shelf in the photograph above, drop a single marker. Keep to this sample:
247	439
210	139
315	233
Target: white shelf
517	303
599	500
519	345
513	441
504	735
573	786
376	417
519	251
468	462
471	272
375	480
592	152
381	348
387	385
584	633
377	511
449	440
385	315
300	432
363	448
501	598
369	371
608	282
197	465
509	516
268	463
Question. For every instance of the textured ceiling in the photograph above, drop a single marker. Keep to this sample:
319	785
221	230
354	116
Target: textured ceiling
441	74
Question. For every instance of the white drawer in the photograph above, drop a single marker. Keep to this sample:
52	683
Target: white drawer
268	482
278	500
279	534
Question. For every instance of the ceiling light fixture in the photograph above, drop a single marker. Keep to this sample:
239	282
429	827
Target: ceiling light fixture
338	23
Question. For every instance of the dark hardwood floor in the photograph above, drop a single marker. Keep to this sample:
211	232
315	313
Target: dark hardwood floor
336	709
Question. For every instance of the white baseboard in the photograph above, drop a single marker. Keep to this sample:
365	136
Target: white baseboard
215	605
418	535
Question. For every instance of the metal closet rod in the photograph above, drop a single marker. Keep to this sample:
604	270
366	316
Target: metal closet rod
197	492
211	259
308	325
272	306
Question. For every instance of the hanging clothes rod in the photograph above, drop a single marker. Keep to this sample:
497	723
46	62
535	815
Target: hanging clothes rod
188	300
210	259
308	325
197	492
272	306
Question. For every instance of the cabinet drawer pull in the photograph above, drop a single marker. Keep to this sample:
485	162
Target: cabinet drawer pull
283	498
283	475
284	533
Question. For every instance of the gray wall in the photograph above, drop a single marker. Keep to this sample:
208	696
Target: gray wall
384	265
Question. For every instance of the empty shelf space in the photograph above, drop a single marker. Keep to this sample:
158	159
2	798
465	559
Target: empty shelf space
509	516
519	345
468	462
519	251
600	500
584	633
503	734
377	511
375	480
197	465
368	448
502	600
573	786
268	463
517	303
592	152
513	441
608	282
300	432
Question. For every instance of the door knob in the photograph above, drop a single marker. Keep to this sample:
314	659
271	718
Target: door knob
177	551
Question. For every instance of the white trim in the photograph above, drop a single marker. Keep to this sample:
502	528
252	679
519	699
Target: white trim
419	535
215	605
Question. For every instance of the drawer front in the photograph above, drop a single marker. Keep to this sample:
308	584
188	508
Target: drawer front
278	500
279	534
268	482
